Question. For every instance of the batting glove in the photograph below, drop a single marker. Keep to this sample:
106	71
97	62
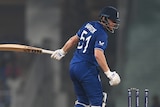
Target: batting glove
114	78
58	54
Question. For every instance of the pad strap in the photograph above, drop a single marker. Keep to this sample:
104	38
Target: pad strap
81	104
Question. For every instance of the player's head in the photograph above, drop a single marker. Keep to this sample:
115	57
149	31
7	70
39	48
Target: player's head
109	17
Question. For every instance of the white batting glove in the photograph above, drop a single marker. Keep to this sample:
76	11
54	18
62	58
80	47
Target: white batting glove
114	78
58	54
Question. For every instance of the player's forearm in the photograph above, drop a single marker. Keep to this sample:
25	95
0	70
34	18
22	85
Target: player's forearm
100	57
70	44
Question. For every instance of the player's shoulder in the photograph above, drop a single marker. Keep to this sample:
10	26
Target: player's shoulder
94	27
94	23
100	29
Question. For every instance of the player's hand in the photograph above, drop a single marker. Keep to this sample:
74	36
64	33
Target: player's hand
114	78
58	54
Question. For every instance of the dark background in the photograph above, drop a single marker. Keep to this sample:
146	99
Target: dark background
30	80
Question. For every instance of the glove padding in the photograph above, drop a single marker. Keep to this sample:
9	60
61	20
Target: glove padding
114	78
58	54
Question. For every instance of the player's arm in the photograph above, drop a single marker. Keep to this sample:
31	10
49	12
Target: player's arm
70	43
101	59
60	53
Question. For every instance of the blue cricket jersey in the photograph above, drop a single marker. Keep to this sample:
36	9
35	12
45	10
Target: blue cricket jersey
91	35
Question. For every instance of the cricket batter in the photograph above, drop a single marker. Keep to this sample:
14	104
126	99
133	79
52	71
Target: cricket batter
91	42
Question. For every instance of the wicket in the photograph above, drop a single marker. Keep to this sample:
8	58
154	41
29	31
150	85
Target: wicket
137	97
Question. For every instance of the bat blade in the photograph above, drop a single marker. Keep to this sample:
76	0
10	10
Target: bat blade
23	48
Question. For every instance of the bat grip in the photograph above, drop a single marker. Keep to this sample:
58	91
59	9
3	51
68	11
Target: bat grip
47	51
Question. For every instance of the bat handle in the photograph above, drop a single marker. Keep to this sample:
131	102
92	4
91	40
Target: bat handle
47	51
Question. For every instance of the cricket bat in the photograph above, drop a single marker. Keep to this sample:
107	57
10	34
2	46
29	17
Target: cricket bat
24	48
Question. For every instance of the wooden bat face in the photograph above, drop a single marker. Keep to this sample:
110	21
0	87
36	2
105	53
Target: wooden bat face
23	48
30	49
19	48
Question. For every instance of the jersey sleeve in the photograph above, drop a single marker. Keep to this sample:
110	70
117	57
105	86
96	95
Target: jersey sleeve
101	41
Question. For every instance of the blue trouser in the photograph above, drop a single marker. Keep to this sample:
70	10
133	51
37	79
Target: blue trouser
87	85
